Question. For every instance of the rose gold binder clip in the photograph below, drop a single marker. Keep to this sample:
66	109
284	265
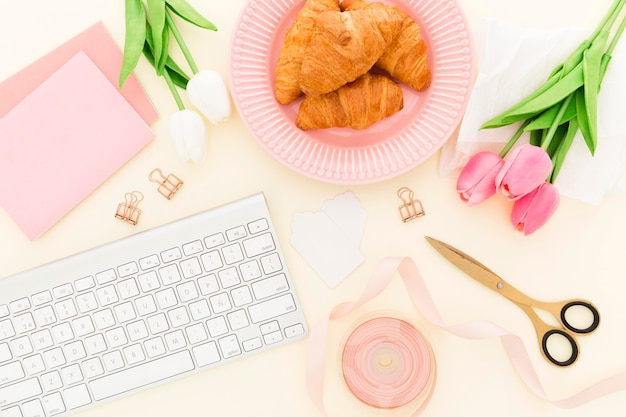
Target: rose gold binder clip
411	208
128	210
168	186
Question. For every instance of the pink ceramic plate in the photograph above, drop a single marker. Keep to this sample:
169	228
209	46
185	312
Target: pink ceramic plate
343	155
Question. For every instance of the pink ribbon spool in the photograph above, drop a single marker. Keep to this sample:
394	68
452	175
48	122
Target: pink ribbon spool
387	363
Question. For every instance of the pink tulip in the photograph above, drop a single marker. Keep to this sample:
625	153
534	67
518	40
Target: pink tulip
476	183
533	210
525	168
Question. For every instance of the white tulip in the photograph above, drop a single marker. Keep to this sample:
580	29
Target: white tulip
188	134
208	93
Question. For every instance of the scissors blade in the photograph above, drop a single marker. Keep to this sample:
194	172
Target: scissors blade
467	264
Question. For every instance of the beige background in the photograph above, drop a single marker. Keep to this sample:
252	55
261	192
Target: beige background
579	253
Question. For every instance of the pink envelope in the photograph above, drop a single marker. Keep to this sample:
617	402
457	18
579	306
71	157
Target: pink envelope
63	140
103	51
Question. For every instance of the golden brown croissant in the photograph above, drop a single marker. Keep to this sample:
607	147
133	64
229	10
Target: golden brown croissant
358	104
287	74
344	46
406	57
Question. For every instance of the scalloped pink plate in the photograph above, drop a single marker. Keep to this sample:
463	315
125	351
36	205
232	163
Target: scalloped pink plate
344	155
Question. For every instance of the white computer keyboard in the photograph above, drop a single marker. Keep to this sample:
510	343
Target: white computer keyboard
193	294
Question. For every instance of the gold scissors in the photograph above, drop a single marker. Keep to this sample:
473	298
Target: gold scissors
544	330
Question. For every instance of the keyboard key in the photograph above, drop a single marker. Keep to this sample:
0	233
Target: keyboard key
171	255
149	281
190	267
252	344
295	330
20	305
62	291
192	248
229	346
77	396
144	374
270	286
211	261
214	240
105	277
32	408
169	275
229	277
271	308
232	253
11	372
271	263
206	354
258	226
84	283
236	233
6	329
273	337
4	310
19	391
53	404
258	245
217	326
41	298
127	269
5	352
149	262
250	270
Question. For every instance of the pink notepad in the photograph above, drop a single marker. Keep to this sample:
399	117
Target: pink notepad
62	141
100	47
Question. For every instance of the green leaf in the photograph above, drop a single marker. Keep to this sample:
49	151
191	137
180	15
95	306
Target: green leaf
134	38
592	62
544	119
160	34
536	136
183	9
583	120
549	96
564	145
177	74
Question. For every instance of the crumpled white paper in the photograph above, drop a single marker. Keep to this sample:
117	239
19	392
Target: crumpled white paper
513	62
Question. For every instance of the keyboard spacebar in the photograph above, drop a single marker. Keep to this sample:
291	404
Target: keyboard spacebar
141	375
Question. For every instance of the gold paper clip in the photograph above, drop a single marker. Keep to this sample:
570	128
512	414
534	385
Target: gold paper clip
410	208
128	210
168	186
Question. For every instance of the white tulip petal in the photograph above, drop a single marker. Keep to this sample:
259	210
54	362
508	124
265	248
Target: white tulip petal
208	93
188	134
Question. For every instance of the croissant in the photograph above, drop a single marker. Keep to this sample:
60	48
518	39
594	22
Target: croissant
287	73
345	45
406	57
359	104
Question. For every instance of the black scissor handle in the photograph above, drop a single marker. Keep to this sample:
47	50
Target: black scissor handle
588	306
570	339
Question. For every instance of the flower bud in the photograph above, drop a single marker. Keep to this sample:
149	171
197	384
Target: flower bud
188	133
525	168
533	210
476	183
208	93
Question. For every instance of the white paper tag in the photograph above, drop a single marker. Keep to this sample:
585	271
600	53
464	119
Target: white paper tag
329	240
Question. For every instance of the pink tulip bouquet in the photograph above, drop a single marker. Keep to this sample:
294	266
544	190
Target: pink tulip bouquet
563	105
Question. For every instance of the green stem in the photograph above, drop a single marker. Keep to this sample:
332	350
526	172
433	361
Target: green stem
609	18
556	123
616	37
181	41
514	138
173	90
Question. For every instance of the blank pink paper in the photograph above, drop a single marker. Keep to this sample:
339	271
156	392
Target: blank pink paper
62	141
100	47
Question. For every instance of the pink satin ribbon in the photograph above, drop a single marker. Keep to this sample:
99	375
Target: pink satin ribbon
387	363
418	292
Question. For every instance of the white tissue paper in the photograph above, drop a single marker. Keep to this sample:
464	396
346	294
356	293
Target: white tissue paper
513	62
